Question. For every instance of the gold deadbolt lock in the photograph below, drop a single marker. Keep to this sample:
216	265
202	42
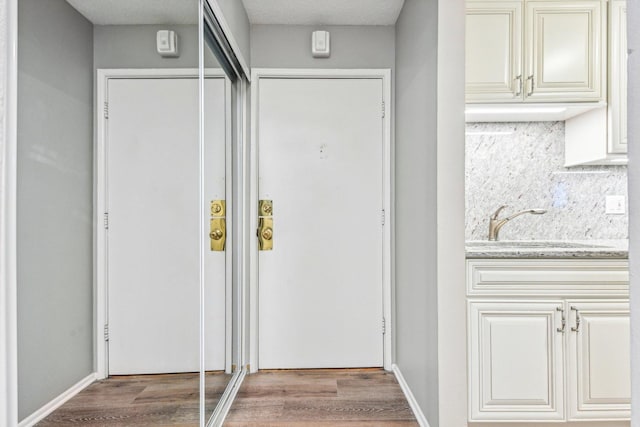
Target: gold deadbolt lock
265	208
265	225
218	226
218	208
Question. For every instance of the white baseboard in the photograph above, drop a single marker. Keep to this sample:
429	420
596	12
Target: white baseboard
42	413
413	403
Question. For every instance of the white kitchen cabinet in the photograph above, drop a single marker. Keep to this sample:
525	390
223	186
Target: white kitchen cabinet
534	324
566	59
618	77
516	360
536	51
494	51
599	360
599	137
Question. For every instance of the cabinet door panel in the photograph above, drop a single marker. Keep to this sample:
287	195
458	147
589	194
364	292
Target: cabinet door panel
494	51
599	360
618	77
565	51
516	362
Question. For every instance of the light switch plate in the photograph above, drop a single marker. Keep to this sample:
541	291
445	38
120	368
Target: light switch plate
615	205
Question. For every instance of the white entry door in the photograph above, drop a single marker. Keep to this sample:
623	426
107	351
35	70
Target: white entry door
153	234
320	148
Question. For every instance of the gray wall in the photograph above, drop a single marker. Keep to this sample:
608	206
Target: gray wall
416	137
289	46
236	16
55	128
634	202
134	46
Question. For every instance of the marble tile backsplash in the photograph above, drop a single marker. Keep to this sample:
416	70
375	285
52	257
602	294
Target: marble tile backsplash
521	165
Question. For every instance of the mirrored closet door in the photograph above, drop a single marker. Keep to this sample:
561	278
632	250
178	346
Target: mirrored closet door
166	145
128	143
222	85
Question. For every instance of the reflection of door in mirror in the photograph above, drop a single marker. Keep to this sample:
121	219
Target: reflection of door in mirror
153	235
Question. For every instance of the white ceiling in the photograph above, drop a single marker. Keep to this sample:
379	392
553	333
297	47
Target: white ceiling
129	12
288	12
323	12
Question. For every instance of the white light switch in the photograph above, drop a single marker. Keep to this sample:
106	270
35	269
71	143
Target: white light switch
615	205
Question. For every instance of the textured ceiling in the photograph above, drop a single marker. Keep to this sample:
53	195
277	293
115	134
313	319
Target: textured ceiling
323	12
128	12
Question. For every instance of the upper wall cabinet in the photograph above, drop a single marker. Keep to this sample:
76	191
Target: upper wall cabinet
494	51
599	137
536	51
618	77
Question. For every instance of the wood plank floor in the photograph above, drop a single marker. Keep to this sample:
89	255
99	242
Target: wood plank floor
139	400
321	398
296	398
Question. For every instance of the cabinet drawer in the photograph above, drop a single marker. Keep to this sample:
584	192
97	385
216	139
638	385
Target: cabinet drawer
492	277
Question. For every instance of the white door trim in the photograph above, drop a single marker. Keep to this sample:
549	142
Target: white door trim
388	152
8	190
100	192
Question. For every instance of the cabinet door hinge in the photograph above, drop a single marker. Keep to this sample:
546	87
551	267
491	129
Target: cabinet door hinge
106	110
106	332
384	112
106	220
384	217
384	326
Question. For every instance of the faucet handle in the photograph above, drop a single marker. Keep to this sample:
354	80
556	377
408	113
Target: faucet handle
497	212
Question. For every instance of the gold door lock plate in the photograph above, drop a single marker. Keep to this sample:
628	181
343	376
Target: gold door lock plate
265	225
218	226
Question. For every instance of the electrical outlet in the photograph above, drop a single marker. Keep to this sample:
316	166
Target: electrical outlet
615	205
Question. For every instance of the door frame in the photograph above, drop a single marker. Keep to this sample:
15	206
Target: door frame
388	258
8	216
101	302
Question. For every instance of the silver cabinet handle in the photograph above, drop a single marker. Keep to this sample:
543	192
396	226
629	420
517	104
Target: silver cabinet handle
578	320
530	83
564	320
519	85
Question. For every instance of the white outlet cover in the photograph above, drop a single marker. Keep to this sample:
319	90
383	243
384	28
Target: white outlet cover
615	205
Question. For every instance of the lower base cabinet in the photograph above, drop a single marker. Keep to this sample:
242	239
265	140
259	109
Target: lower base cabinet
538	359
599	359
516	361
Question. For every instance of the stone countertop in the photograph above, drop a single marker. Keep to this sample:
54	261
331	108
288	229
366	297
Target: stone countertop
607	249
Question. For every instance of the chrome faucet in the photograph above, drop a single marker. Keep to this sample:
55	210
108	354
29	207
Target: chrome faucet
496	224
